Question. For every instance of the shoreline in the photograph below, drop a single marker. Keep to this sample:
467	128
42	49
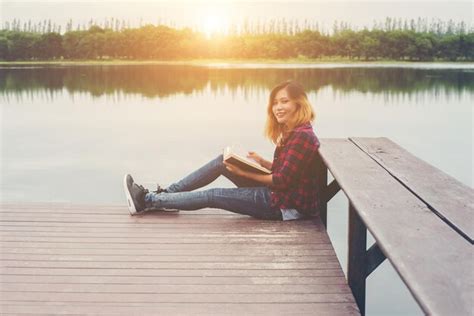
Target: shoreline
244	63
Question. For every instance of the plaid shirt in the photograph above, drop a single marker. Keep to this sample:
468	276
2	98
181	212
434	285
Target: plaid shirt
293	170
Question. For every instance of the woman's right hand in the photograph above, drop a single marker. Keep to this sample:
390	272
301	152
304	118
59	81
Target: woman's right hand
253	155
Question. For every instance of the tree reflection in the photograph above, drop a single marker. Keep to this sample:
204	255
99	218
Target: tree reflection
161	81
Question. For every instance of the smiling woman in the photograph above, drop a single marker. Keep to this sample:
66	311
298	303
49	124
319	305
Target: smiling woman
288	193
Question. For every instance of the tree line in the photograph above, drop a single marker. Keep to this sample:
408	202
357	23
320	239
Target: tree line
394	39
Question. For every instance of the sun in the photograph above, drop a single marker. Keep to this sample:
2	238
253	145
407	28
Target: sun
214	22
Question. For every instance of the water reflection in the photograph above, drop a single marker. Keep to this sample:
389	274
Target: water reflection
68	134
161	81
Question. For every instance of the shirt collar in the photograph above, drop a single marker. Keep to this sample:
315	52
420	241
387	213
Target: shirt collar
303	127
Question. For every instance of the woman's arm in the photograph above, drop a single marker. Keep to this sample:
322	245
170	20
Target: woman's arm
266	164
262	162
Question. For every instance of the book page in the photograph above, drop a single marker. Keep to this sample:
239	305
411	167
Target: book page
238	156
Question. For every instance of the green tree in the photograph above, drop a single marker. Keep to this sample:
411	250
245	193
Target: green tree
310	44
4	53
369	46
48	46
21	45
449	47
71	43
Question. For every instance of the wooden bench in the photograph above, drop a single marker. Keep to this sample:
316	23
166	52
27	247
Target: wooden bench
420	218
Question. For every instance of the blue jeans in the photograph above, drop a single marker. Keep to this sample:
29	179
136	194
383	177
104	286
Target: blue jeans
249	198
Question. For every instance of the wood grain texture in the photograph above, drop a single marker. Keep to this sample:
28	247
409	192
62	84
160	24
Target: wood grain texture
433	260
448	197
69	259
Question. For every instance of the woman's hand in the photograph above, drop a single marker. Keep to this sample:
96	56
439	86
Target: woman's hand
254	156
234	169
265	179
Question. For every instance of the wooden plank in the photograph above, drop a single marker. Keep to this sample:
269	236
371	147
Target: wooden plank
92	209
39	232
322	249
175	272
151	308
448	197
178	289
176	240
264	298
107	218
167	280
430	257
113	213
59	205
156	245
170	221
183	225
326	257
332	264
111	232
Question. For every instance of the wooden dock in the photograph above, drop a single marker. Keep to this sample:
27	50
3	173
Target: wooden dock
67	259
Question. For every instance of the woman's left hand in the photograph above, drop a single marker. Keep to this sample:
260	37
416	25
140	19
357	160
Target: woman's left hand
234	169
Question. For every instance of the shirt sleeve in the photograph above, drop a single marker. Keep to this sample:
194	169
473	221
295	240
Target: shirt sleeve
301	151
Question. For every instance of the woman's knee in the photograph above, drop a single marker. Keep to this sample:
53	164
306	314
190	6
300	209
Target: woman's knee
219	162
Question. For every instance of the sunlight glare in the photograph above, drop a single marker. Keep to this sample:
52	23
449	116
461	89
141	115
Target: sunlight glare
215	22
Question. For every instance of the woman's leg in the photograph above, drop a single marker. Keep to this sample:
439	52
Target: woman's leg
255	201
207	174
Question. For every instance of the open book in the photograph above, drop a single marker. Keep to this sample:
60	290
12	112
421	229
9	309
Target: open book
239	159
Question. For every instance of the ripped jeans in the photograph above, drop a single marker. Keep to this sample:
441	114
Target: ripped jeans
249	198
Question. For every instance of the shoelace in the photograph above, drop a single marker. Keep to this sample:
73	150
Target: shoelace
142	188
159	189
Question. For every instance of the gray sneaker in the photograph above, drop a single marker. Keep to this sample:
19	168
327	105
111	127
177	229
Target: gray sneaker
135	195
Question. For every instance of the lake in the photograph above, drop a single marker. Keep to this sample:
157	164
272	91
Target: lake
70	133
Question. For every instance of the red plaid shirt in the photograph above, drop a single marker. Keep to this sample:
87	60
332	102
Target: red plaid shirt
293	170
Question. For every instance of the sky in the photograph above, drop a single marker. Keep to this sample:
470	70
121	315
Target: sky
197	14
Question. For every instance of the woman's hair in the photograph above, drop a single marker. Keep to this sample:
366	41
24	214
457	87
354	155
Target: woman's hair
304	112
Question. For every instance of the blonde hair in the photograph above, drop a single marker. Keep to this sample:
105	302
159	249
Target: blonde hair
304	111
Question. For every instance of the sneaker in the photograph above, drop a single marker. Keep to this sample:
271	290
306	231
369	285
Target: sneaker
135	195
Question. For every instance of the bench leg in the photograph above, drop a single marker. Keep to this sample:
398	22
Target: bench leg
357	258
322	179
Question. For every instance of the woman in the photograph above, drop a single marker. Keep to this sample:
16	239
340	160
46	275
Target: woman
289	192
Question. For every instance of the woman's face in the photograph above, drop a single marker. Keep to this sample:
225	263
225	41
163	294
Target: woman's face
283	108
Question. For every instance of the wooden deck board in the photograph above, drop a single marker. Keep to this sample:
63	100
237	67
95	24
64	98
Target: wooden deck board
151	308
449	198
69	259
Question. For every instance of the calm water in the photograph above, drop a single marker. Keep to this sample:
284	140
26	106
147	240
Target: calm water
68	134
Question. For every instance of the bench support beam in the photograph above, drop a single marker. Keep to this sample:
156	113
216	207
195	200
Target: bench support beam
331	190
375	257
